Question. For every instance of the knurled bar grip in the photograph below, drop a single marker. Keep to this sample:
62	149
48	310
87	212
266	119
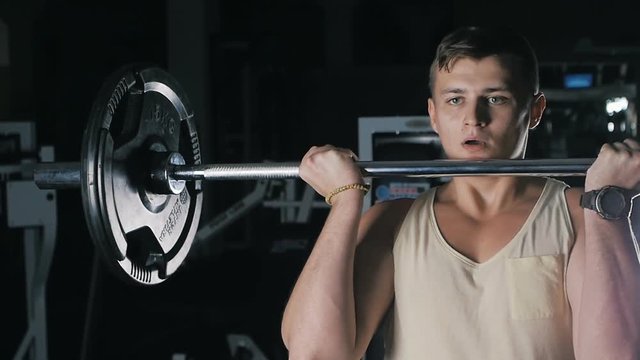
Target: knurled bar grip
431	168
67	175
57	175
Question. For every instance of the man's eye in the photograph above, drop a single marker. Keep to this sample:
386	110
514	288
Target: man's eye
454	101
494	100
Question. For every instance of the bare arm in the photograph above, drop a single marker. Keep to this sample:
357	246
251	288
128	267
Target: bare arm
319	319
604	272
346	284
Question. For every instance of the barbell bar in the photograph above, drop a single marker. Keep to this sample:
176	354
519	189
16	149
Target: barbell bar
140	173
67	175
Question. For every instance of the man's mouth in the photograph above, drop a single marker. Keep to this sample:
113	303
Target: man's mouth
473	142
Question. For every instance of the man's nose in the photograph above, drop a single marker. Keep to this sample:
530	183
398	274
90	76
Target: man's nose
478	115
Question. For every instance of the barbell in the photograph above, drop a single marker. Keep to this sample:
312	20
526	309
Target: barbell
141	172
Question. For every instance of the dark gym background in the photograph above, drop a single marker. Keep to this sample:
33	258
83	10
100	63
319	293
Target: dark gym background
267	79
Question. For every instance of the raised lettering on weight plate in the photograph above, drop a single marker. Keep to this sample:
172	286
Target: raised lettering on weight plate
174	216
163	120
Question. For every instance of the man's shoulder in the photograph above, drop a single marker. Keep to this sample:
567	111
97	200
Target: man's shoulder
390	212
573	194
400	205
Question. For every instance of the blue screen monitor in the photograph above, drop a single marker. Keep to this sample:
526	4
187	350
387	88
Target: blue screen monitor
578	81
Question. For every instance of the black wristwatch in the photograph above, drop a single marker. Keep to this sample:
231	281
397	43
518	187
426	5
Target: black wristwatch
610	202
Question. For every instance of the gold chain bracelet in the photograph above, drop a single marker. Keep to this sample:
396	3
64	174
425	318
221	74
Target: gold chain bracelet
357	186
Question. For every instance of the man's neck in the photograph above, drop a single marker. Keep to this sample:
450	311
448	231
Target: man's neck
485	196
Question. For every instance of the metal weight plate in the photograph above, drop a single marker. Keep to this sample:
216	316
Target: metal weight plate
139	113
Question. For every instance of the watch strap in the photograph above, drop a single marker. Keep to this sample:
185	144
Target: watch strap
588	199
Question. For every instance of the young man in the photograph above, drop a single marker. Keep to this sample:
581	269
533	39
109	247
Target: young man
500	267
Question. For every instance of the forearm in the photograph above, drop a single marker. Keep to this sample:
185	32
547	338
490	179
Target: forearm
609	323
319	319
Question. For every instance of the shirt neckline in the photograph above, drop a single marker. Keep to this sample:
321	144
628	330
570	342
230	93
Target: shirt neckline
516	238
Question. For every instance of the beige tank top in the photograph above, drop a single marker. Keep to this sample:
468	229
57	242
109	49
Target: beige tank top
513	306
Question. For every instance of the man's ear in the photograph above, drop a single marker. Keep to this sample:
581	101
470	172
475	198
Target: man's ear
431	108
537	109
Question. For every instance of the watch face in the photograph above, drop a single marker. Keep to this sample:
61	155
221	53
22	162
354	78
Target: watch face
612	203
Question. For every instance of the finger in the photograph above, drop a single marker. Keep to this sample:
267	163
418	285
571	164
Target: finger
352	155
312	150
348	153
318	149
621	147
605	147
632	144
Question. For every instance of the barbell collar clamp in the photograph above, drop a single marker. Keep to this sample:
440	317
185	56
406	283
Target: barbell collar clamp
161	181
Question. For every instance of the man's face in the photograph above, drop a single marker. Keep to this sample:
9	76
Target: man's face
479	112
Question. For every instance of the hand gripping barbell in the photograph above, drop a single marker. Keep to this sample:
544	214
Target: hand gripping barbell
140	173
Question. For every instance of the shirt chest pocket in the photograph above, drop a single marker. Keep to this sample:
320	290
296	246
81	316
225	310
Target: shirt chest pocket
536	286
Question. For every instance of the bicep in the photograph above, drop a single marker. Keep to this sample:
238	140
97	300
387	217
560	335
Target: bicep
373	275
